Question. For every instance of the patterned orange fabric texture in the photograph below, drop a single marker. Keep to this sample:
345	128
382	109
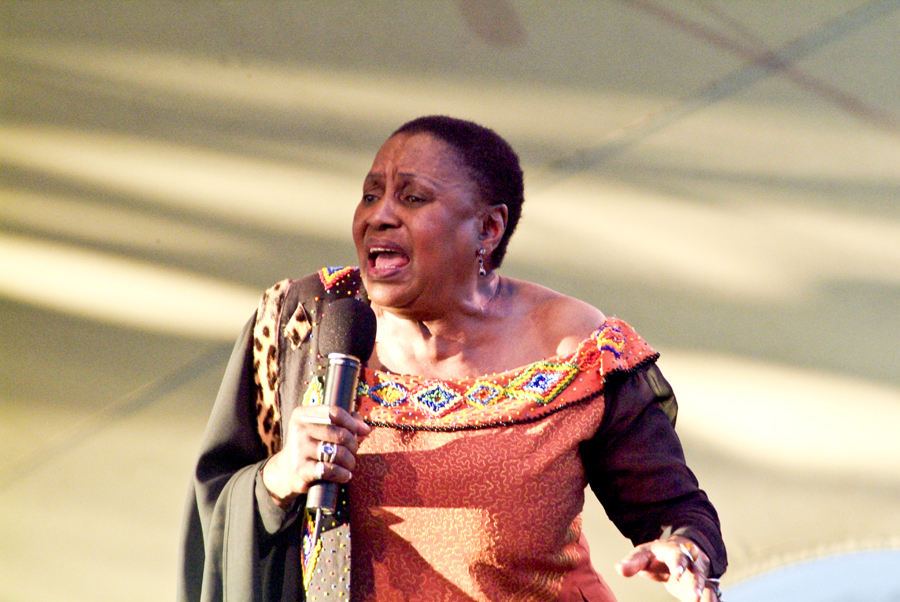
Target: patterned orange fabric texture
473	489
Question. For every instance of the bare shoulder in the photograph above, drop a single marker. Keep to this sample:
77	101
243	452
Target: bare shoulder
563	321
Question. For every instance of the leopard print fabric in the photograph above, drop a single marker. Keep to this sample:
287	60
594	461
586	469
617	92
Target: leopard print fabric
265	360
274	328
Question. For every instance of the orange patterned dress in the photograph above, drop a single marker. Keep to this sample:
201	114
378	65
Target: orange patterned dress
473	489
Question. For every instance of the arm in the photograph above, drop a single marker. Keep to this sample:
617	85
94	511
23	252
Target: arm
635	465
241	539
235	539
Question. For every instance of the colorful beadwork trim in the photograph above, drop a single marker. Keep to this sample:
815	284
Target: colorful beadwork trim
388	393
610	338
483	393
313	394
523	395
542	382
436	398
331	276
311	552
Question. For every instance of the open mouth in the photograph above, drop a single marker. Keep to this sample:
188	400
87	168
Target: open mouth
387	258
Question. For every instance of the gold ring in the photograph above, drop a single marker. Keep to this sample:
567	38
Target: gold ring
690	550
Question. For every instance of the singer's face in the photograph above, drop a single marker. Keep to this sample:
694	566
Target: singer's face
416	227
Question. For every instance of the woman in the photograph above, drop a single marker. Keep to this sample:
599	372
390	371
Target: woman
486	407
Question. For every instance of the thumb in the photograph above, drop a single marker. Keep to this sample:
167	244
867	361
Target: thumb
637	560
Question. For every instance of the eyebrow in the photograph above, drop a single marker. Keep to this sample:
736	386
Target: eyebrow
405	174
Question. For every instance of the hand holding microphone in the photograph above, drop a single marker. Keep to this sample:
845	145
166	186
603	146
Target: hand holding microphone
347	337
321	440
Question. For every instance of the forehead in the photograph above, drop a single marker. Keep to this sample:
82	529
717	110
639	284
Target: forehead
417	154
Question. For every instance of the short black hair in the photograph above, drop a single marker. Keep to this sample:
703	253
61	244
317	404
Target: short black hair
493	163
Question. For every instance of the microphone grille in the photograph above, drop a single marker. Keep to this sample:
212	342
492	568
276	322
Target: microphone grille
347	326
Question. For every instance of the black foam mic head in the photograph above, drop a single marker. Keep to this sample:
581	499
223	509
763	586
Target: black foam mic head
347	326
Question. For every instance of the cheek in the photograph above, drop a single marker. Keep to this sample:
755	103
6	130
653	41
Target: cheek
451	245
357	227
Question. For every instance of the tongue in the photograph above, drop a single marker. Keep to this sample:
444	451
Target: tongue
390	260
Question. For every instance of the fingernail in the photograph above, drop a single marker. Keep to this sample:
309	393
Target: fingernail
681	570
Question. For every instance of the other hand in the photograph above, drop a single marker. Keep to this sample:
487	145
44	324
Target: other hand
311	432
677	562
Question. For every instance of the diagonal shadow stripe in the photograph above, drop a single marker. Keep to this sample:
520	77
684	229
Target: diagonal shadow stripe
113	413
761	66
761	51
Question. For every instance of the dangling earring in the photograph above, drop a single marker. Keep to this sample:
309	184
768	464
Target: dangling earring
481	270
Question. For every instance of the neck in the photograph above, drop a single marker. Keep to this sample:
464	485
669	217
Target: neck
452	333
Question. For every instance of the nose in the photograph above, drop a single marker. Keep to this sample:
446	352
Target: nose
382	214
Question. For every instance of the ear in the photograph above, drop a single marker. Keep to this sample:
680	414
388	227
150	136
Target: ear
493	225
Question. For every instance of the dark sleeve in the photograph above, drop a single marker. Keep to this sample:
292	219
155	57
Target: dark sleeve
636	467
236	543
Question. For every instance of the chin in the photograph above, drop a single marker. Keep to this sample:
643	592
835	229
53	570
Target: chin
384	294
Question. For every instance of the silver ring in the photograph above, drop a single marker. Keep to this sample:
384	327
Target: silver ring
320	471
715	585
326	452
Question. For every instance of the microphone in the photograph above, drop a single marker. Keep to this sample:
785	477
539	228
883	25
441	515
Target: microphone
347	336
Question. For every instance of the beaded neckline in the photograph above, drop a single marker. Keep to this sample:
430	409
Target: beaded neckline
520	395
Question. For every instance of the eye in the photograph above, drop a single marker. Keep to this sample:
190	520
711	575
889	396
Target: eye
414	200
369	198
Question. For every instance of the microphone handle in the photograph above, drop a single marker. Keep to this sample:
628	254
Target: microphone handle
341	379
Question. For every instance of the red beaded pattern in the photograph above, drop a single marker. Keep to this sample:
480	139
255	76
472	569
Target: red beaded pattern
333	275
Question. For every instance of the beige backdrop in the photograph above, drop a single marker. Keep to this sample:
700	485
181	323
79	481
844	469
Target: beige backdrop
722	174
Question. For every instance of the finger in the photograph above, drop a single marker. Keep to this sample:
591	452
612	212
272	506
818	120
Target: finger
343	418
635	561
692	559
326	451
362	429
687	556
685	588
675	558
332	453
308	435
700	579
339	436
642	561
324	471
697	563
325	415
327	423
